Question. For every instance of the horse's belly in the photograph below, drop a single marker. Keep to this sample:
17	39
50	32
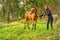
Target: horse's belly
30	17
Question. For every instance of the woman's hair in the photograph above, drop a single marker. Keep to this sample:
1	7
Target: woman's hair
47	7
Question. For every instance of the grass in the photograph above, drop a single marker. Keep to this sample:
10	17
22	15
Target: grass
17	32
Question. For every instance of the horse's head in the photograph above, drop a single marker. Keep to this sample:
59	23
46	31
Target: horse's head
34	9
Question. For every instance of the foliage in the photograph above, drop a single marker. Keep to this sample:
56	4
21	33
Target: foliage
17	32
17	12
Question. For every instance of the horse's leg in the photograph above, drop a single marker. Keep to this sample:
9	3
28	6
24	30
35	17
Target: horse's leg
28	24
32	24
35	25
25	24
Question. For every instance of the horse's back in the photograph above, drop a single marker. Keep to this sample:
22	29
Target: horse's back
30	16
27	14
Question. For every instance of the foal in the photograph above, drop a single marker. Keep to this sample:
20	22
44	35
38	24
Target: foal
31	15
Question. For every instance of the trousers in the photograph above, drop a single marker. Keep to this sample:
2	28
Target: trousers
50	22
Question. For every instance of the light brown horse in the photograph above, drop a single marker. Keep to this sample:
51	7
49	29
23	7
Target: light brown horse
31	15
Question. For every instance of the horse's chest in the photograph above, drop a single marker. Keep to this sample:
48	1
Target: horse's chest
34	17
29	17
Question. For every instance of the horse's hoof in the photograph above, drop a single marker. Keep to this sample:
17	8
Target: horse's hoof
34	28
28	28
24	28
47	29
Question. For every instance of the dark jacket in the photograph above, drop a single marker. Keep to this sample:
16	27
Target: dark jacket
48	13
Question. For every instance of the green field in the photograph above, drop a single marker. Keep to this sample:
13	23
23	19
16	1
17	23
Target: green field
17	32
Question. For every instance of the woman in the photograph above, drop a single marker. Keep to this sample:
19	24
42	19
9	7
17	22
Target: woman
50	17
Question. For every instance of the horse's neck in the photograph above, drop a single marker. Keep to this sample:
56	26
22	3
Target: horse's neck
28	12
36	13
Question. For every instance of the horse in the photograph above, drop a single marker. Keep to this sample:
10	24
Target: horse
33	16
